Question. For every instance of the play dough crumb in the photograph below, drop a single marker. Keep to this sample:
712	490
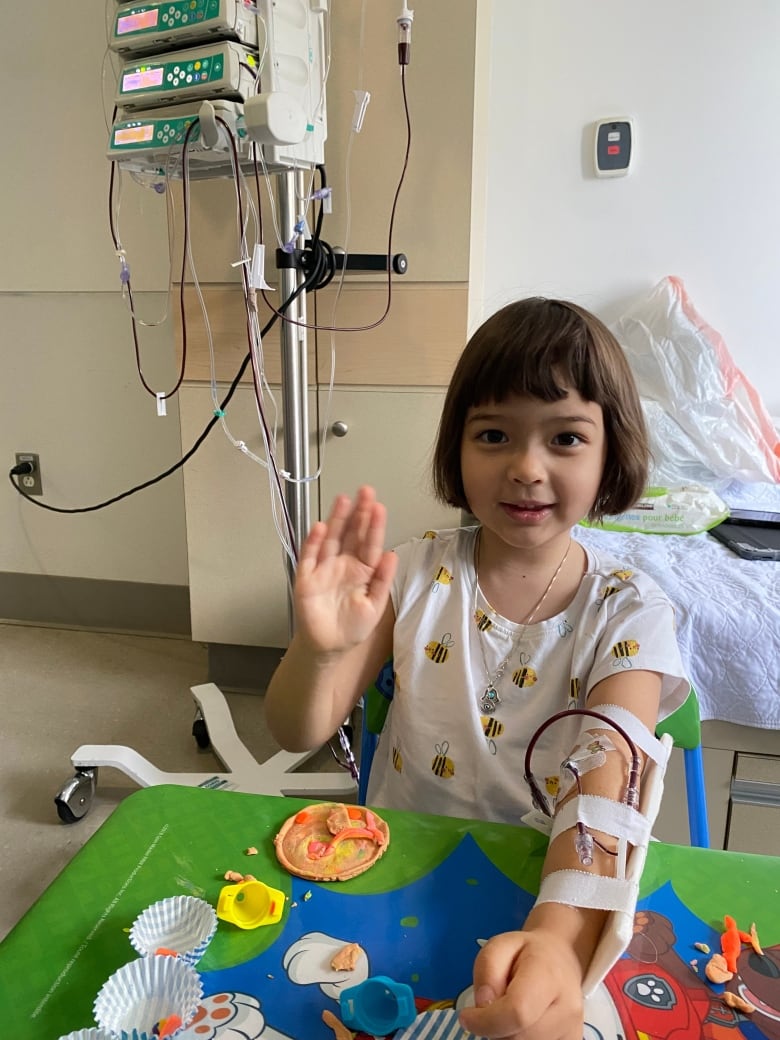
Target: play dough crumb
251	851
717	970
338	1027
732	1000
754	940
347	957
237	877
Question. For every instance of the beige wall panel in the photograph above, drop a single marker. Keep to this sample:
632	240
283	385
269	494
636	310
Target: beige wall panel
238	588
432	220
227	321
417	345
55	174
71	393
389	444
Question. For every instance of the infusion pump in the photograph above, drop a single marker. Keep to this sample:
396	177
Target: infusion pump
151	142
165	24
219	70
269	56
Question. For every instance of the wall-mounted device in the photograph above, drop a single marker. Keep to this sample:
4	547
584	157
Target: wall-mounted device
219	70
613	146
166	24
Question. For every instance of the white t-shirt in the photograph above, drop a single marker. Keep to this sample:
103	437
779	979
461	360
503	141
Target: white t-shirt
439	752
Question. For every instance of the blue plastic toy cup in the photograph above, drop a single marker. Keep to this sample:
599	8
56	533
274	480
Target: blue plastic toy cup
378	1006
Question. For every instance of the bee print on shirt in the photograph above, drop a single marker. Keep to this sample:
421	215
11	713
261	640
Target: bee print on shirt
552	785
429	534
624	574
575	685
482	620
441	577
524	675
492	728
439	650
397	758
606	592
564	628
442	765
624	650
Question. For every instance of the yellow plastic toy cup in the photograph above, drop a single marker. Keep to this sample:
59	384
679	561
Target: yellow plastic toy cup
250	904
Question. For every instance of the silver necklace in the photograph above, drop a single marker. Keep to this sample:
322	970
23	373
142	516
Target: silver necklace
490	700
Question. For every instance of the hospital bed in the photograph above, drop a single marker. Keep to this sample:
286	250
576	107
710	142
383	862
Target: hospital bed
728	628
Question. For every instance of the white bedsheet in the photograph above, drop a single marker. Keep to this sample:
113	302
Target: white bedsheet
728	618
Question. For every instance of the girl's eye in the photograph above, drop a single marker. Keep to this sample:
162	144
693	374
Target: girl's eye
492	437
567	440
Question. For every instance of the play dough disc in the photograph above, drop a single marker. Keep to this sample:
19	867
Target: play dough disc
331	842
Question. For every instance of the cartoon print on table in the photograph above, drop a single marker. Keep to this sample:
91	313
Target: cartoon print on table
230	1016
294	982
658	994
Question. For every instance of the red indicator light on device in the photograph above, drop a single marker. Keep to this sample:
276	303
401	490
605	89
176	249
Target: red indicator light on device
613	149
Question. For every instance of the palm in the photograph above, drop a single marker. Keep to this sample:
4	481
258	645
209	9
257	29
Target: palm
344	575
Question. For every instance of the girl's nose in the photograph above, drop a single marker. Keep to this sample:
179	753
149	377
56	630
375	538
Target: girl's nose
525	467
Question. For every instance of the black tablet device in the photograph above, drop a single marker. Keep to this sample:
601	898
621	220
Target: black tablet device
751	534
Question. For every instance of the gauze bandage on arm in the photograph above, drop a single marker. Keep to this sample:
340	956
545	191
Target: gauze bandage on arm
630	821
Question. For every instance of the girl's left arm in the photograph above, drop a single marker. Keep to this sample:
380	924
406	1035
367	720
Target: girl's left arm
528	984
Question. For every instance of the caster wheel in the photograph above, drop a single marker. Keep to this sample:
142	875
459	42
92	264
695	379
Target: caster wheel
75	799
201	734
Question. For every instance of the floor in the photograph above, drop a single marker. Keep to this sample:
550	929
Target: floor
63	688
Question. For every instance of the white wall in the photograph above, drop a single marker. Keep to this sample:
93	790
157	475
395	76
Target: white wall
701	79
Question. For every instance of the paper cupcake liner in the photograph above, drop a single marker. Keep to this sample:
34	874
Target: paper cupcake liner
182	923
141	993
436	1025
93	1033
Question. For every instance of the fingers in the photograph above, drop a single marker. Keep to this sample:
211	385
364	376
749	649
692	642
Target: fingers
357	529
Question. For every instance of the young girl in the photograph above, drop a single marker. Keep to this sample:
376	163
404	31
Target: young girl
493	628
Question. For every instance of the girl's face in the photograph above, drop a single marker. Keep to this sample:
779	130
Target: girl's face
532	468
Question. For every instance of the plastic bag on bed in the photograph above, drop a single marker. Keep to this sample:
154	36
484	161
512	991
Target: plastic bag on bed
707	423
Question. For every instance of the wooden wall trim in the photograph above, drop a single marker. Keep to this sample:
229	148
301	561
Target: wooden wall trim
417	344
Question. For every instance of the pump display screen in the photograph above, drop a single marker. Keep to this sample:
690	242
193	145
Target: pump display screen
137	21
142	79
134	134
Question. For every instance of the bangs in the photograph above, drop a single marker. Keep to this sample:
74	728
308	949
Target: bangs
535	355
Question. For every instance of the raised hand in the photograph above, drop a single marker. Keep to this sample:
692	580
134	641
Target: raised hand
344	575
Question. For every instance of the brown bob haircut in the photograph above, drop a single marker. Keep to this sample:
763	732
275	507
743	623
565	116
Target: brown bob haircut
538	348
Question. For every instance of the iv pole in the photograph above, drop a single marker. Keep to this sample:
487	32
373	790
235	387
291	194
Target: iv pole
295	380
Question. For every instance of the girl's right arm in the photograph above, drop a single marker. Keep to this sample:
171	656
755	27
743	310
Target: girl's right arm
344	624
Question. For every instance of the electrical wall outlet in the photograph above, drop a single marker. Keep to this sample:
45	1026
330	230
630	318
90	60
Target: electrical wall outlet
30	483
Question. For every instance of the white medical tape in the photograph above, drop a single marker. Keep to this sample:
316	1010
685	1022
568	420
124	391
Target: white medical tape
589	891
602	814
634	727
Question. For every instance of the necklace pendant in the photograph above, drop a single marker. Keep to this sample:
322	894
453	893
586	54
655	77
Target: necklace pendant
490	700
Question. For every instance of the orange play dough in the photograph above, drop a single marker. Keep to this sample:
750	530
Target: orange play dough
331	842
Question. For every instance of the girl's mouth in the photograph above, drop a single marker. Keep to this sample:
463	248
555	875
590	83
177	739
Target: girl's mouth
527	512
